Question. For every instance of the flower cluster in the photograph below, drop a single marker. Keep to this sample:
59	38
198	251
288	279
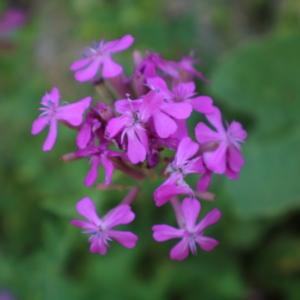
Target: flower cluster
137	118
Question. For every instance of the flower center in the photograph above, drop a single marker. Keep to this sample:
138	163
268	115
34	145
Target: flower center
191	237
49	109
99	233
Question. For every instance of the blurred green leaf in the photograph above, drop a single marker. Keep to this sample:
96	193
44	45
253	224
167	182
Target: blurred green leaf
269	183
262	80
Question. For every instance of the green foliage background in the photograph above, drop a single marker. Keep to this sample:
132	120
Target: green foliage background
250	52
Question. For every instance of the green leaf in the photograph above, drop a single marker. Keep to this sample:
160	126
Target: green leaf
262	79
269	183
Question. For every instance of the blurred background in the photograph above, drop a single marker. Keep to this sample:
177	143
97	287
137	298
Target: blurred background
250	52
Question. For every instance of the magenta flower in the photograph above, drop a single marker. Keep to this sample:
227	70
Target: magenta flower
164	112
188	70
52	113
101	230
98	156
227	157
131	123
152	63
186	162
98	58
87	132
173	186
190	233
186	159
93	126
185	92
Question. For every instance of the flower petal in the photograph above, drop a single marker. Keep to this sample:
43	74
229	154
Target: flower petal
203	104
122	214
39	124
115	125
236	130
135	149
98	245
84	136
86	208
83	224
184	90
164	125
235	159
232	174
215	118
80	63
204	182
180	251
92	174
186	150
123	106
73	113
51	137
181	132
51	97
204	134
166	191
159	87
190	209
207	243
120	44
216	160
210	218
180	111
110	68
163	232
108	168
88	72
125	238
195	166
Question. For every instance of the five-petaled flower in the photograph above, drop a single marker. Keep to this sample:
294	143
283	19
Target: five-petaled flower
186	162
101	230
131	123
226	157
98	156
98	58
52	112
190	233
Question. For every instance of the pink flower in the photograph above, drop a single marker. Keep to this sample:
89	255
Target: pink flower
185	92
227	157
98	58
87	132
92	129
152	63
173	186
131	123
187	69
186	159
186	162
190	233
101	230
52	112
98	156
164	112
